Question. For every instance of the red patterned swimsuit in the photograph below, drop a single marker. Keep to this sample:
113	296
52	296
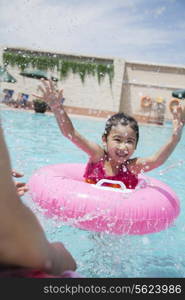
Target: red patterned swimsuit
95	172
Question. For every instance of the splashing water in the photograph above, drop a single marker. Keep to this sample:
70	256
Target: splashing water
100	254
177	164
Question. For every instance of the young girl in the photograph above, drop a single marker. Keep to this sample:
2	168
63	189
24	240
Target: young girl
113	160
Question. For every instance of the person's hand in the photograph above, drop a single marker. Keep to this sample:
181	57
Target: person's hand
21	187
178	113
17	174
50	94
61	259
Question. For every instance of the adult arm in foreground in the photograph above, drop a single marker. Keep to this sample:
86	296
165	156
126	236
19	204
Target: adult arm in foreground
22	240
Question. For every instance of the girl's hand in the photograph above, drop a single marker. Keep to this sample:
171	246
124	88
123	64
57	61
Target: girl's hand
50	94
178	120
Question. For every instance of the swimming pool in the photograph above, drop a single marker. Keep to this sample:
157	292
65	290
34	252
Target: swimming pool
34	140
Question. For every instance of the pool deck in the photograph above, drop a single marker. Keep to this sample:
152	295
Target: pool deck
78	116
7	107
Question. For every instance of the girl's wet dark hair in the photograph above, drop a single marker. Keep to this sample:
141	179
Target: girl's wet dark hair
123	119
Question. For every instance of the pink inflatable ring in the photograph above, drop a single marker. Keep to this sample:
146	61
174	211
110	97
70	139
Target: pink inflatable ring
61	191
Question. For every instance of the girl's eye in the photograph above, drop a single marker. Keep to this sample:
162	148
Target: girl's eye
130	141
117	140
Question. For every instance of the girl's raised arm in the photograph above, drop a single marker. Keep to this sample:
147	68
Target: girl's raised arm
53	98
147	164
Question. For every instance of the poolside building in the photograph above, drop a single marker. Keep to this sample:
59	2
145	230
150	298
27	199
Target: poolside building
97	86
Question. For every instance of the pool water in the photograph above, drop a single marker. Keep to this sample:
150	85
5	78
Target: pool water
34	140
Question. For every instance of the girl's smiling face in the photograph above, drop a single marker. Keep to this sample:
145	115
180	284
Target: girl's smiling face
121	143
